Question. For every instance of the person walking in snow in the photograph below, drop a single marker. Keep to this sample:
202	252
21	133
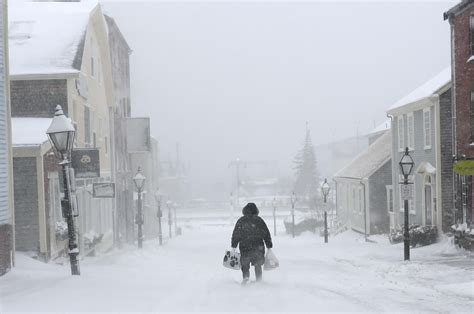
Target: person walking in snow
252	235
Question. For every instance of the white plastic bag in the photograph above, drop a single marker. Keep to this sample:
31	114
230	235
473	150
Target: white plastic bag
271	262
232	260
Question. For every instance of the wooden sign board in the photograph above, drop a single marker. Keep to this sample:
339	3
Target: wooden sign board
464	167
103	190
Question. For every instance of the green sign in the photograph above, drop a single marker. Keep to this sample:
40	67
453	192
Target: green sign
464	167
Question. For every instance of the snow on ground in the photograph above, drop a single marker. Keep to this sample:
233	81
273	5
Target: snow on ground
186	274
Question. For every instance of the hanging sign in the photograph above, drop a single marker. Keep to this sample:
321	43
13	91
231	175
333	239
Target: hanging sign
103	190
407	191
86	163
464	167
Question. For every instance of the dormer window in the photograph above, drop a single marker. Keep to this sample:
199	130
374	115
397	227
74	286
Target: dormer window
20	30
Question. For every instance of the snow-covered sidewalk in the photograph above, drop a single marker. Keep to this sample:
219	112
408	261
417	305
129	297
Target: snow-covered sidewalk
186	274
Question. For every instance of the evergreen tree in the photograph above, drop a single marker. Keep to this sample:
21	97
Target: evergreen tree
306	172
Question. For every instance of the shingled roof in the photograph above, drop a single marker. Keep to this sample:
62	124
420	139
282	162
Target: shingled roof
374	157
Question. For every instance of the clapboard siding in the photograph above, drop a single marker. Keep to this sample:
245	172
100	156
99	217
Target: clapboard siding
26	203
5	215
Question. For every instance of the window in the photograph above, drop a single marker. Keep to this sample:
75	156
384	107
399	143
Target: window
21	30
93	59
411	131
390	198
354	199
361	201
472	117
87	125
92	66
471	27
401	134
427	128
106	144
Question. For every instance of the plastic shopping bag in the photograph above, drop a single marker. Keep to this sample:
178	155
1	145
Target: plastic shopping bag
271	262
232	260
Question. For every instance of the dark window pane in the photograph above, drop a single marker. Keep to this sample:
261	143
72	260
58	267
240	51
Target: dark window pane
472	117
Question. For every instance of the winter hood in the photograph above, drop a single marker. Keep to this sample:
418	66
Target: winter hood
250	209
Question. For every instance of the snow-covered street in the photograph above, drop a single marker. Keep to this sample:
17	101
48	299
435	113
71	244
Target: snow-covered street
186	274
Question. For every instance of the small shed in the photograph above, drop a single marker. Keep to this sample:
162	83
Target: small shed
363	200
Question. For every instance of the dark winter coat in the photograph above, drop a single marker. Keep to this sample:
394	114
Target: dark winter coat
251	234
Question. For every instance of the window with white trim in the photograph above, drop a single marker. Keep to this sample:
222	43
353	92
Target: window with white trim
87	126
411	131
427	128
353	199
401	134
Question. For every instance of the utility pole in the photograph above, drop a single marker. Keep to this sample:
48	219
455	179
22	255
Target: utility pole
293	203
170	218
237	163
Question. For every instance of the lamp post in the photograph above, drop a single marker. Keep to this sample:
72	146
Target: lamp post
325	188
159	214
231	208
176	232
139	180
293	203
61	134
170	218
406	166
274	217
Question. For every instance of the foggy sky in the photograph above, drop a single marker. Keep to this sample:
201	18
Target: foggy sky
240	79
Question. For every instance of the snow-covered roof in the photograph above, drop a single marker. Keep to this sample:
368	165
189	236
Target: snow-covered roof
29	131
427	89
374	157
44	37
386	125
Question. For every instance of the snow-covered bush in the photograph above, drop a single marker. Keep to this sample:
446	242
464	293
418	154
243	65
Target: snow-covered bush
91	239
61	230
419	235
464	236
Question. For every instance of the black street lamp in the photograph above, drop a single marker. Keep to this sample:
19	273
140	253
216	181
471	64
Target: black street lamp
406	167
274	216
139	180
159	214
61	134
325	188
294	199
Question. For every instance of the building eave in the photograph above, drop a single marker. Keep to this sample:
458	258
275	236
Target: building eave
420	103
458	9
44	76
